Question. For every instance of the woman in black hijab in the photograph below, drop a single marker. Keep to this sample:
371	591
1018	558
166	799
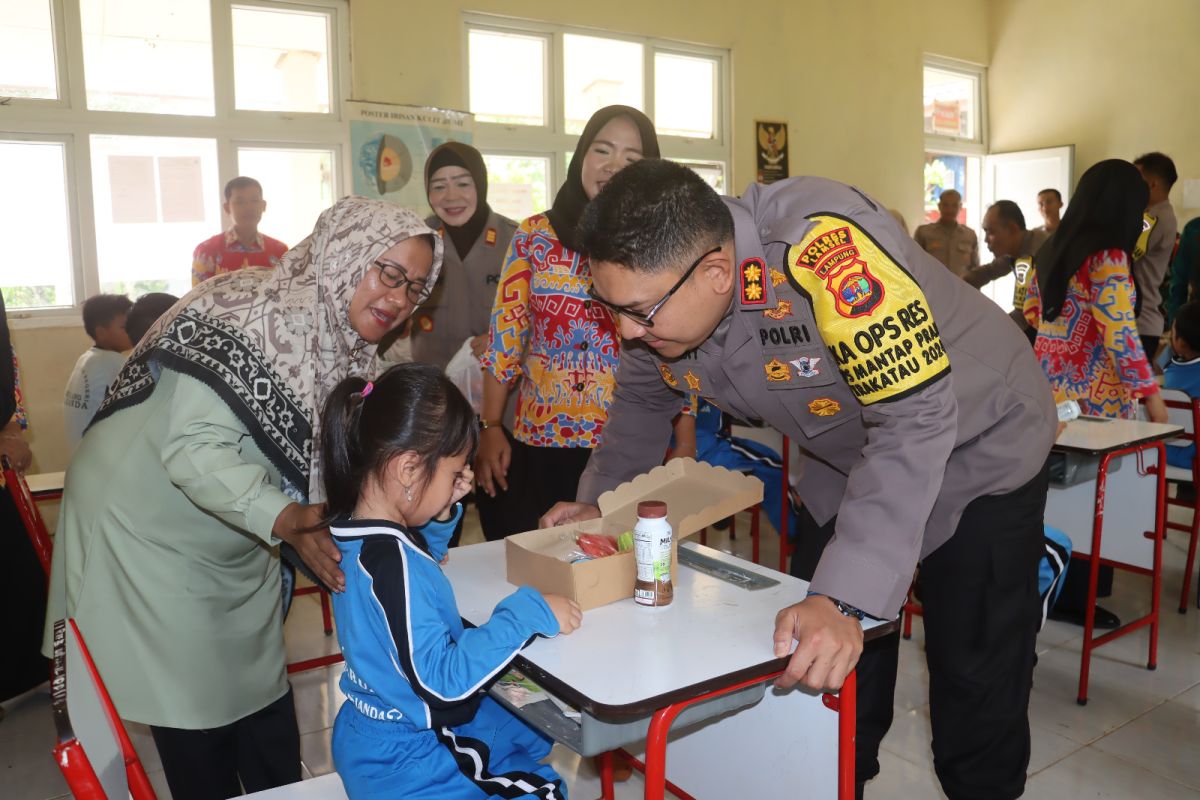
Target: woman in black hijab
476	237
1087	342
548	338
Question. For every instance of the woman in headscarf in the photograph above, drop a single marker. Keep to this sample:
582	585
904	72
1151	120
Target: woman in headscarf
476	239
1082	305
551	341
202	460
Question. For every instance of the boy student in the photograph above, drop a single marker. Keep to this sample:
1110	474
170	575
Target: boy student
104	320
1183	371
145	312
242	245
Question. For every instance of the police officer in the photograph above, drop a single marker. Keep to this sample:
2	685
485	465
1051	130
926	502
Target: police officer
948	240
1014	248
476	240
924	420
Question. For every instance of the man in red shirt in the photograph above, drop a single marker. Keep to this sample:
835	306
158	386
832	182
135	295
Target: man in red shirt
242	245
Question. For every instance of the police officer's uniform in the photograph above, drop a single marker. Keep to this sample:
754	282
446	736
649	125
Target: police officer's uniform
918	406
1023	273
461	304
1151	257
956	247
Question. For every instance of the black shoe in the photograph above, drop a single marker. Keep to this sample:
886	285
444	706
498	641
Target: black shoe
1104	619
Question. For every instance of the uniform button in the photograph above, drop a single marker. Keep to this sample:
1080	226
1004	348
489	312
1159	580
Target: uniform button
587	303
579	387
583	346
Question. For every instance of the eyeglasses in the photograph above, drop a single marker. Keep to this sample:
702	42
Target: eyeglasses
393	276
646	318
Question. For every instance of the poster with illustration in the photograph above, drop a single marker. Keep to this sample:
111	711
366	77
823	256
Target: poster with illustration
771	155
389	145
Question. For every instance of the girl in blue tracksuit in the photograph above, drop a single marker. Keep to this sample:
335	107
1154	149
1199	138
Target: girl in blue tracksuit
417	722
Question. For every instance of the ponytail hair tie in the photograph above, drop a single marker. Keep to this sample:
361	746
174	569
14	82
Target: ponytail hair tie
370	387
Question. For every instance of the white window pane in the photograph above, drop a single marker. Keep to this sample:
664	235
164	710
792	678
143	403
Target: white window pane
713	172
685	89
148	55
518	186
508	77
281	60
27	49
36	269
950	103
297	185
599	72
155	198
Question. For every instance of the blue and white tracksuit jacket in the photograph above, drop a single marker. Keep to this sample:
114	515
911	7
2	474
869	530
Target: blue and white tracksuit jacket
417	722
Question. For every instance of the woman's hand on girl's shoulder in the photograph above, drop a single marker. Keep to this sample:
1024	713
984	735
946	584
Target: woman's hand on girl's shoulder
298	525
566	611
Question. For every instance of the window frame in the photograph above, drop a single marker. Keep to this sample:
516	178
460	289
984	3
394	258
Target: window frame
68	118
535	140
976	145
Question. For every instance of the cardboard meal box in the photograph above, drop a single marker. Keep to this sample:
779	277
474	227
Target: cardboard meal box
696	494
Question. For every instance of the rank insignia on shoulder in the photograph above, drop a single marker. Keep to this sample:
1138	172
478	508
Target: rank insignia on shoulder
425	323
806	366
777	371
824	407
777	277
489	238
753	291
668	376
782	310
693	381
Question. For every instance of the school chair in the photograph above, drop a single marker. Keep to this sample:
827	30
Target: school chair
93	750
31	518
1185	411
327	621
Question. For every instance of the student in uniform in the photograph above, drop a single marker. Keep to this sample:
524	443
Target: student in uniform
551	342
476	239
737	302
417	721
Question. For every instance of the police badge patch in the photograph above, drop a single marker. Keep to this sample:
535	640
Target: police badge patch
806	366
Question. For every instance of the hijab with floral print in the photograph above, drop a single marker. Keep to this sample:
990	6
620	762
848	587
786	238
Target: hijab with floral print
273	343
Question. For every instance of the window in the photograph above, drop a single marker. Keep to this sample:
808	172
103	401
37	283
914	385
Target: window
955	141
533	87
27	67
38	270
176	99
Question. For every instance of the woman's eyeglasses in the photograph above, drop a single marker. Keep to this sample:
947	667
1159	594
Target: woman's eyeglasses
393	276
646	318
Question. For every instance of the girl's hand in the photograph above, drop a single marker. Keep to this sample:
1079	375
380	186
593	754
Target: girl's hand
566	611
1156	409
462	487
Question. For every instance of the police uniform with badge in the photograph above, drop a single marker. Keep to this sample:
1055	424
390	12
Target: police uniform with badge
461	304
1151	257
1023	273
924	422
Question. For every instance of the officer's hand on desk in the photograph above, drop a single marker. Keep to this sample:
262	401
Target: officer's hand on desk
492	460
828	644
564	512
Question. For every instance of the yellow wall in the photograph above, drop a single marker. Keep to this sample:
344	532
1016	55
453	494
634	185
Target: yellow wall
1115	79
845	75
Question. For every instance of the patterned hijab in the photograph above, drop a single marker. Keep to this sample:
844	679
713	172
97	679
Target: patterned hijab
273	343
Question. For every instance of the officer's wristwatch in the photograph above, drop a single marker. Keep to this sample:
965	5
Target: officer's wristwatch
848	610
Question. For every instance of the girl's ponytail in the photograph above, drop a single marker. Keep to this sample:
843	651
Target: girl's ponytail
341	456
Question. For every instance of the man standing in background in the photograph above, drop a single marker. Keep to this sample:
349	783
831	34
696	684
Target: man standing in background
1050	207
242	245
953	244
1014	249
1154	247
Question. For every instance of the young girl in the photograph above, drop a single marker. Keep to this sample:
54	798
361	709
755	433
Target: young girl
417	722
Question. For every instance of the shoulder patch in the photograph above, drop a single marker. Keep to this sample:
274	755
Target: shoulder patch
869	310
753	292
1143	241
1022	271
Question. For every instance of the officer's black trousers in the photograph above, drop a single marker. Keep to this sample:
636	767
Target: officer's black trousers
982	611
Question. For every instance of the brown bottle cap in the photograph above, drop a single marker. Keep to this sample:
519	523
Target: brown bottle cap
652	509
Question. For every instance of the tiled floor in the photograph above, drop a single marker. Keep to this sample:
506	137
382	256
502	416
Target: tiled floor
1138	737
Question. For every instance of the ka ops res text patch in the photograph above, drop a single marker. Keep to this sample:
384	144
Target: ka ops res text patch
869	310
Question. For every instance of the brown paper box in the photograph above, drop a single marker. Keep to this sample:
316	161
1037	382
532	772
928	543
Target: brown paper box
696	494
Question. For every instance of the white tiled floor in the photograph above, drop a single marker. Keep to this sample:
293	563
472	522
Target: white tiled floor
1138	737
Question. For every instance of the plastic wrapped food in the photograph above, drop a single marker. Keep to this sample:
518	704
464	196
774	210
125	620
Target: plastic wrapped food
597	545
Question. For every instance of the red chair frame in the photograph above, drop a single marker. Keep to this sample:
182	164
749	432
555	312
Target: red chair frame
68	751
31	517
1191	405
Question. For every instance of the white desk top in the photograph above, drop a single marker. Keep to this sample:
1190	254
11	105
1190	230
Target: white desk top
1098	436
45	482
627	661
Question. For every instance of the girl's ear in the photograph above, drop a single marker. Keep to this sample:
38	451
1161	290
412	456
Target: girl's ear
404	469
